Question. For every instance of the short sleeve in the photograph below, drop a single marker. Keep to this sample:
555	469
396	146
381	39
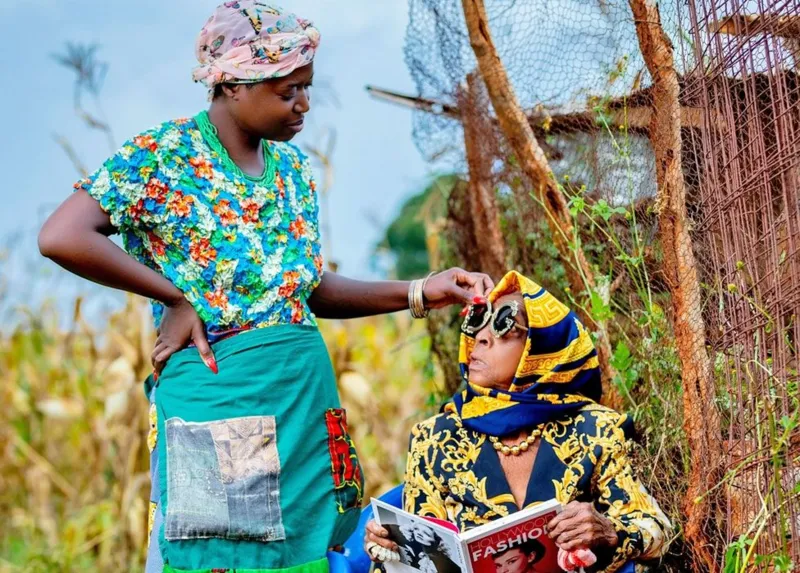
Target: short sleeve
128	186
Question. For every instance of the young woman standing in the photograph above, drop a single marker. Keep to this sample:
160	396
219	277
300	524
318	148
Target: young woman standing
253	467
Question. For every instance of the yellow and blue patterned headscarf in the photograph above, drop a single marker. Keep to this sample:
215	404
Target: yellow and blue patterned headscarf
557	375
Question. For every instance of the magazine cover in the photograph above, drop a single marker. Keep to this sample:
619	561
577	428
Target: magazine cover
515	544
521	547
424	546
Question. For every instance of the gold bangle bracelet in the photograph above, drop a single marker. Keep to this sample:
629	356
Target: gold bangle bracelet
416	297
419	307
422	294
411	288
413	298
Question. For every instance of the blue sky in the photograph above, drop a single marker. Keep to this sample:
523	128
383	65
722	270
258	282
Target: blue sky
149	45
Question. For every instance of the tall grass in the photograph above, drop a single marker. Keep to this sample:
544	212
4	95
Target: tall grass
74	483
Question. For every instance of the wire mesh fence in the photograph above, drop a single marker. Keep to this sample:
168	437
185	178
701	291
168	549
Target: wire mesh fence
578	69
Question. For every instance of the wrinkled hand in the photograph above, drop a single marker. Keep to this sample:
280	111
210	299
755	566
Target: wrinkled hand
581	526
181	325
456	286
375	534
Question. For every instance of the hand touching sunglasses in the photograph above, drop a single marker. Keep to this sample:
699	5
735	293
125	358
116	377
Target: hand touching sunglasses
501	320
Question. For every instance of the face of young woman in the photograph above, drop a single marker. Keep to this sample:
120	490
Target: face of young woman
273	109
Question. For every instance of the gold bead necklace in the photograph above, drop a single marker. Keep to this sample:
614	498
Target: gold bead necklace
523	446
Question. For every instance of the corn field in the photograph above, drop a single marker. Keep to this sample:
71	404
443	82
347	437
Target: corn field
74	485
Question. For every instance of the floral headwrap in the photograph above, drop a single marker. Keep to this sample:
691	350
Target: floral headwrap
249	41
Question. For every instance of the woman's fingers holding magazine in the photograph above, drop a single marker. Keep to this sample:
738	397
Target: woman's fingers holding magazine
378	545
580	525
380	534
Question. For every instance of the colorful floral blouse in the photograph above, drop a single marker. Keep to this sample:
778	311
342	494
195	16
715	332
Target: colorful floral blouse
244	250
455	474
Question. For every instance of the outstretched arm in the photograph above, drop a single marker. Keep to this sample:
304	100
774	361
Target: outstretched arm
340	297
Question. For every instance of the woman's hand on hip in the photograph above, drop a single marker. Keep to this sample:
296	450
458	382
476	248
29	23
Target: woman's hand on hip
581	526
456	286
377	544
180	326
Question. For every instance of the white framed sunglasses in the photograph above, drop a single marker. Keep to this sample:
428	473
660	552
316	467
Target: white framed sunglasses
501	320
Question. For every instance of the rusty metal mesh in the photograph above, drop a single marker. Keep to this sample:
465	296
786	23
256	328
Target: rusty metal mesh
580	77
564	59
747	228
577	72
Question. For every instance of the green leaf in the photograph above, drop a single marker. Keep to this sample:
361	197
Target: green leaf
629	260
601	310
602	209
622	359
623	363
576	205
733	556
783	563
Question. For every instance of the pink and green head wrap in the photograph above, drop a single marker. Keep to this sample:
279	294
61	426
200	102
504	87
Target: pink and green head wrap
249	41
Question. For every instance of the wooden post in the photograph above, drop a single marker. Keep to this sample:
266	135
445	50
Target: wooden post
481	197
701	417
534	164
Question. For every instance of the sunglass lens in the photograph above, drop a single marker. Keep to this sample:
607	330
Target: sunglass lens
504	320
476	318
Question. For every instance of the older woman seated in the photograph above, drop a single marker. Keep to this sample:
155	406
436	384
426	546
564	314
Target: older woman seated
528	429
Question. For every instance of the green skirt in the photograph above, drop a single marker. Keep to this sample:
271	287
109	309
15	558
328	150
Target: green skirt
256	469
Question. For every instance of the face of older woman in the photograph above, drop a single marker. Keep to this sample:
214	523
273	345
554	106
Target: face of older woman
494	361
273	109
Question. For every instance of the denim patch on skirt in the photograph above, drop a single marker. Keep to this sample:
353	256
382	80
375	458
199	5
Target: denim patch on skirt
223	479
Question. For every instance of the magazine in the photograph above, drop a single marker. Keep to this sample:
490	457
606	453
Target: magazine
514	544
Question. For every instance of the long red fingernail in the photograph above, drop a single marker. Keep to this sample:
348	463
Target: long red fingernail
464	311
212	363
479	300
155	376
